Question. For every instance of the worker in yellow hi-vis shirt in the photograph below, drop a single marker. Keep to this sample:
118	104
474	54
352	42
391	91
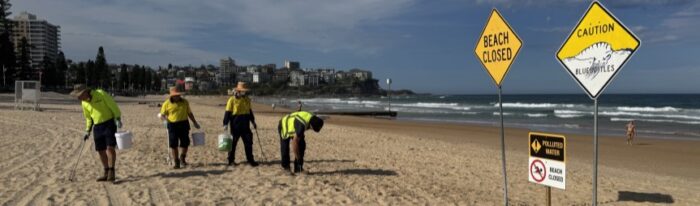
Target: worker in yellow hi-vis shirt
176	110
102	117
238	116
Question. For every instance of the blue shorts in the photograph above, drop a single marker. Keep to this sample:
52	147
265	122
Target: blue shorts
104	135
179	134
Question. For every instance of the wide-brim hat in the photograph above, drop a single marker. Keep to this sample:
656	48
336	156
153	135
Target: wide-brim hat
241	87
78	90
174	92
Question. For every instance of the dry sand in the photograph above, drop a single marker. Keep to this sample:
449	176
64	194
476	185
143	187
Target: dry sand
353	161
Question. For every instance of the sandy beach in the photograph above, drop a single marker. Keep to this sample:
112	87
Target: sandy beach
353	161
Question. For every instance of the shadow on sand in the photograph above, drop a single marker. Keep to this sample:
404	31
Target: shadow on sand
278	162
367	172
644	197
193	173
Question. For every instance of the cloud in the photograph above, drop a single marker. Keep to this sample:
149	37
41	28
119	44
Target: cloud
623	4
680	25
319	24
156	32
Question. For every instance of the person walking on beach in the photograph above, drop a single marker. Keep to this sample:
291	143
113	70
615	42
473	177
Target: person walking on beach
238	117
102	118
631	132
177	111
291	128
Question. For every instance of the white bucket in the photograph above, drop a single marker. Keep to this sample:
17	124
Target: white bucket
198	138
124	140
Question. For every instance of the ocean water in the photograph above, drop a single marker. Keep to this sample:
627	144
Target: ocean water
675	116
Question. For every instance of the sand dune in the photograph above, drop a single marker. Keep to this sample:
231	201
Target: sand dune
346	165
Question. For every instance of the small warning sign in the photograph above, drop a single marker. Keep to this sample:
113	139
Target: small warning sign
548	146
547	162
596	49
497	47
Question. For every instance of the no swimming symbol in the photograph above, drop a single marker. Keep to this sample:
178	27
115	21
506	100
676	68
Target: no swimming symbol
538	171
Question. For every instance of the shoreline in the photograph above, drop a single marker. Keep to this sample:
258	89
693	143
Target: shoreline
613	150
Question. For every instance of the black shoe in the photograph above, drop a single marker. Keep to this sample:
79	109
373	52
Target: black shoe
111	176
182	160
253	164
104	177
177	164
231	163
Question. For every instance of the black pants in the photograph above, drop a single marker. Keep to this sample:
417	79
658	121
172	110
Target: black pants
247	137
103	134
179	134
284	149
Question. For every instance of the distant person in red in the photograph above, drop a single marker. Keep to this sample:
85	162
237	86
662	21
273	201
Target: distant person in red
631	132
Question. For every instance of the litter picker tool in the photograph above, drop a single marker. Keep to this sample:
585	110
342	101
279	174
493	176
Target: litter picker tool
71	177
167	151
260	144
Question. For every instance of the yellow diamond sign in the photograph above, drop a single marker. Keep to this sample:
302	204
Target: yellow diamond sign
596	49
536	146
497	47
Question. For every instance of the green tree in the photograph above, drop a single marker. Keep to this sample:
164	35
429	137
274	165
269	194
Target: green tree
61	69
102	74
123	77
147	79
91	74
8	60
48	73
78	73
156	81
24	61
5	23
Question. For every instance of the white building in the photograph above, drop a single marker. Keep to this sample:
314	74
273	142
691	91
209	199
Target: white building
296	78
361	75
311	79
260	77
42	36
291	64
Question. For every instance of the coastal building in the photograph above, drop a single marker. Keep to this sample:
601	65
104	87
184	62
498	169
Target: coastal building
291	64
244	77
280	75
43	37
252	69
361	75
227	73
311	79
296	78
261	77
189	83
327	76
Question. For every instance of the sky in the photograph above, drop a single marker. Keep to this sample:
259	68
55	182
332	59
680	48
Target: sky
423	45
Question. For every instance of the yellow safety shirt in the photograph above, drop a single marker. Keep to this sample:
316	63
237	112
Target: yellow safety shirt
176	111
288	129
100	108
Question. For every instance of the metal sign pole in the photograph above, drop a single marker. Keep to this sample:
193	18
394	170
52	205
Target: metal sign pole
503	149
595	152
389	93
549	196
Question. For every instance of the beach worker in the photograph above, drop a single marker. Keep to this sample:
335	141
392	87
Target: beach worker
238	117
631	132
291	128
177	112
102	118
